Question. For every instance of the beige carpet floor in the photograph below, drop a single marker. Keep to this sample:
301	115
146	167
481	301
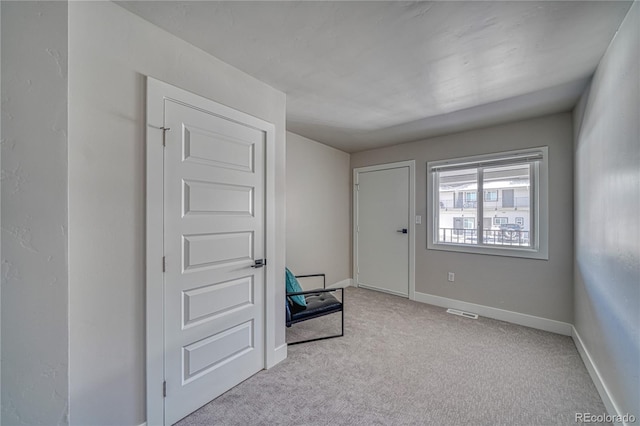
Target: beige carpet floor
408	363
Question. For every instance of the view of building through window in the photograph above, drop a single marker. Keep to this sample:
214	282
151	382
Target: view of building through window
505	209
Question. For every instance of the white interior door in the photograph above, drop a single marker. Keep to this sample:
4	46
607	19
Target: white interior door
383	229
213	234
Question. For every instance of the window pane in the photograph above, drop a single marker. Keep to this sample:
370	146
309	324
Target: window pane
508	213
458	201
491	195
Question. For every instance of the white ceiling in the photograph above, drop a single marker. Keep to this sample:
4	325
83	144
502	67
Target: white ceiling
365	74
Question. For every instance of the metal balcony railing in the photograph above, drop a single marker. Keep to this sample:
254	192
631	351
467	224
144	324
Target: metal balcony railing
449	204
509	203
502	237
515	203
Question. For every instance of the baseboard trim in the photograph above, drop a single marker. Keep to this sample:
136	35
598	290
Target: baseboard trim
499	314
279	355
344	283
607	399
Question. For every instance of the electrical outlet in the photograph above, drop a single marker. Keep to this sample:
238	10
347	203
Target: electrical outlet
451	277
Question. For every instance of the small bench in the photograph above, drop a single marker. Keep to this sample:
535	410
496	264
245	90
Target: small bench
320	302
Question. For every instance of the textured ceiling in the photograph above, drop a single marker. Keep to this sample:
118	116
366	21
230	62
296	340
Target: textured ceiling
365	74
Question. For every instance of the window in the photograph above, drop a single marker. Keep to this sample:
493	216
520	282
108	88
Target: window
464	223
464	229
500	220
496	204
470	199
491	195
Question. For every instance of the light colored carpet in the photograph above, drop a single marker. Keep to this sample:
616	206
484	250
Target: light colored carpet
407	363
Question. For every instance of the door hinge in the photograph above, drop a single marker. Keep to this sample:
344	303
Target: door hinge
164	264
164	135
164	389
164	131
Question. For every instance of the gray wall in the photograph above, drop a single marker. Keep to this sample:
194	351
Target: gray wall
34	213
318	197
110	52
534	287
607	204
0	223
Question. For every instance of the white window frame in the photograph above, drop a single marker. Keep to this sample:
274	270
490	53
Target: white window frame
539	202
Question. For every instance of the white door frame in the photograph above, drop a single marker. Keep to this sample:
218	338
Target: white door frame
412	223
157	92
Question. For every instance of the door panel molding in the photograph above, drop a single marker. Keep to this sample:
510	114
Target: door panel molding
411	225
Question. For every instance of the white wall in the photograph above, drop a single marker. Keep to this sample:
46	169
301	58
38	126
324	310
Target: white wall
110	52
607	232
318	215
34	213
534	287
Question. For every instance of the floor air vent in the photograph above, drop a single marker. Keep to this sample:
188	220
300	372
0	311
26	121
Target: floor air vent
462	313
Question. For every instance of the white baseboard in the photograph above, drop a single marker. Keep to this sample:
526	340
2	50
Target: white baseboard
610	405
344	283
499	314
279	355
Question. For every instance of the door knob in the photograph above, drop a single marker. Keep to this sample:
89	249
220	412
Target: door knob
403	230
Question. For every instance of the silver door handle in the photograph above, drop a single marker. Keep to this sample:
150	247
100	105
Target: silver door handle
402	231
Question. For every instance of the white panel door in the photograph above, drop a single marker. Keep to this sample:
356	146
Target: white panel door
382	230
213	233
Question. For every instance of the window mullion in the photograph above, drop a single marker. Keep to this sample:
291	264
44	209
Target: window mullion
436	208
480	208
533	205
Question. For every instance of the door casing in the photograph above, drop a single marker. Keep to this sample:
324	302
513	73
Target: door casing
411	164
157	92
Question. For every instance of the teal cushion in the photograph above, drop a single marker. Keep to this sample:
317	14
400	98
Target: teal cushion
293	286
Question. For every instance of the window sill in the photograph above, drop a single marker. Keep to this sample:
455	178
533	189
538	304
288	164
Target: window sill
526	253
